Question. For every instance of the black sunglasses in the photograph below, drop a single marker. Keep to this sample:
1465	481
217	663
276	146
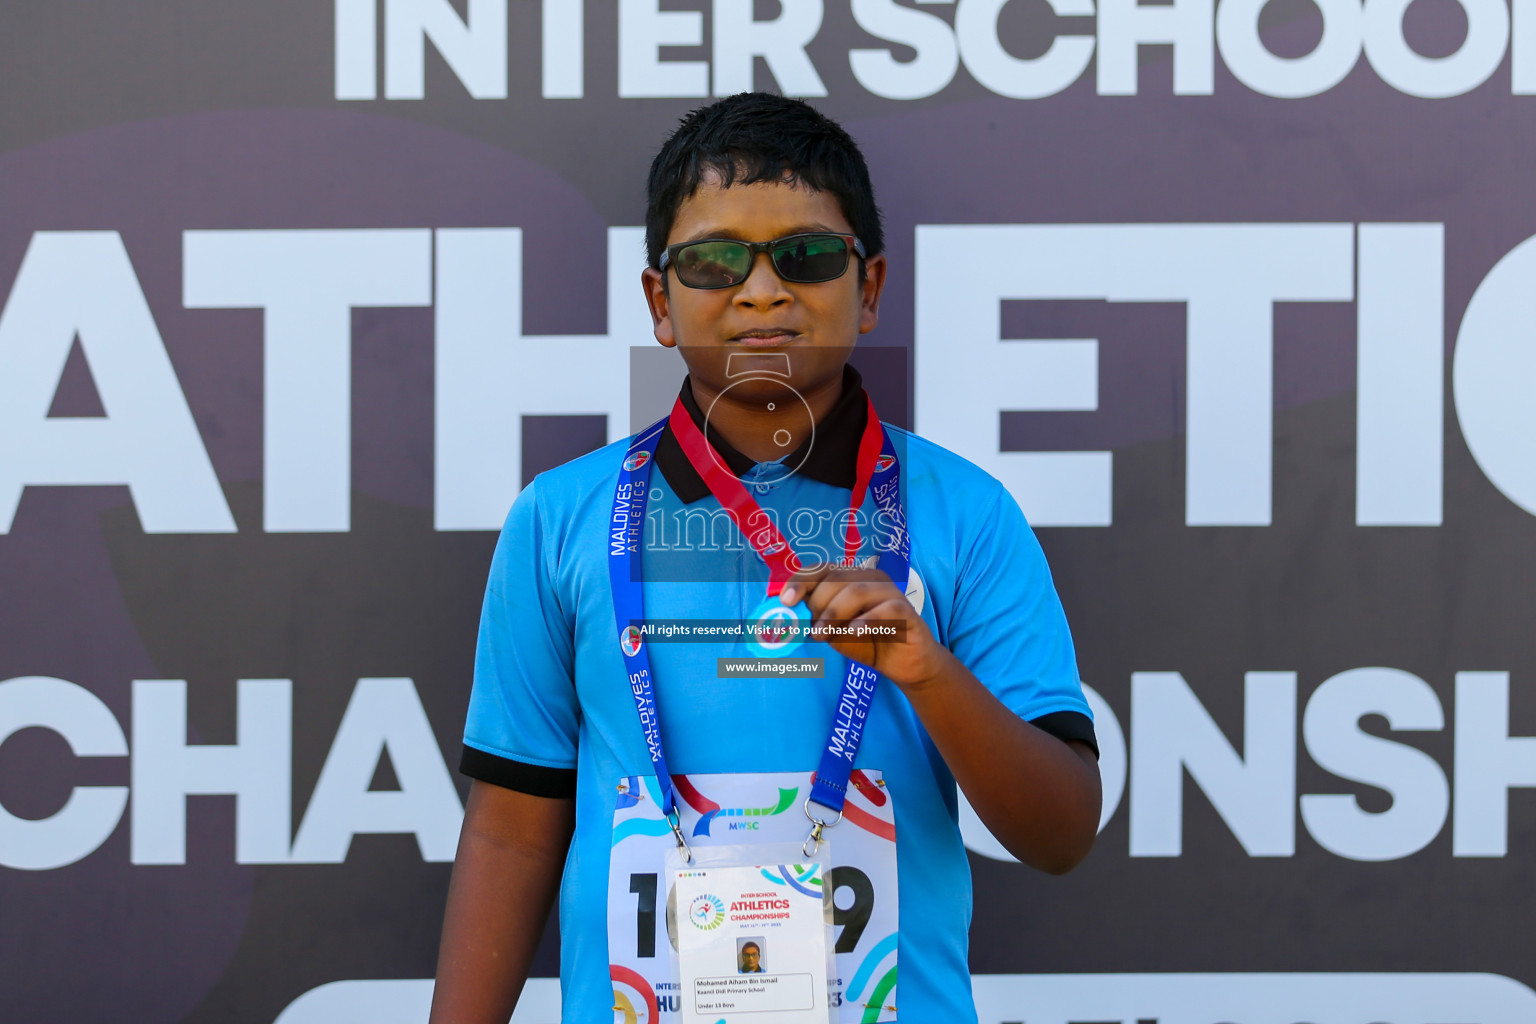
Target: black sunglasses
809	258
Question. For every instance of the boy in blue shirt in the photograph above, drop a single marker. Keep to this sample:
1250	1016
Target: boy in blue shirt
758	209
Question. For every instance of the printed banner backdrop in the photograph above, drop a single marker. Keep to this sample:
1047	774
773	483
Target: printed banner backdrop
1237	298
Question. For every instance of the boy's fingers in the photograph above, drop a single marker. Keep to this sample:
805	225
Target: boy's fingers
815	578
803	582
807	580
891	609
851	600
826	592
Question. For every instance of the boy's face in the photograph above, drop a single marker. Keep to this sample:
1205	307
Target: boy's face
764	319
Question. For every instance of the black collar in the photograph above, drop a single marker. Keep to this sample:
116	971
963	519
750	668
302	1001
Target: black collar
830	460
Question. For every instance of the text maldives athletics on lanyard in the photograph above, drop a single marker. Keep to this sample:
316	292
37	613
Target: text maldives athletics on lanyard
877	470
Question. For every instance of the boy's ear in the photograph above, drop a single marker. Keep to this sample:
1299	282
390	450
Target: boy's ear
655	284
869	293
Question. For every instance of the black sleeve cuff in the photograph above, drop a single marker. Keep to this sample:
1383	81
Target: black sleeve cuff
533	779
1069	725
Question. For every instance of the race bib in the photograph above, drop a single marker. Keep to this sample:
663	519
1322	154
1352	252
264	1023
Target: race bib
646	900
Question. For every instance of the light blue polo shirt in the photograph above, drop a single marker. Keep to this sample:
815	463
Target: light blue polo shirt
551	696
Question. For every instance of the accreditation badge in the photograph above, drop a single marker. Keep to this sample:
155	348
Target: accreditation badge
665	967
751	935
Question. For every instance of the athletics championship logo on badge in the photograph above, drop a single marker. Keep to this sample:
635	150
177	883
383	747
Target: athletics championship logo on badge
629	641
776	628
884	462
636	460
707	912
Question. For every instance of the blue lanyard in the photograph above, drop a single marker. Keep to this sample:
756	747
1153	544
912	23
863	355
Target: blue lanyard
626	530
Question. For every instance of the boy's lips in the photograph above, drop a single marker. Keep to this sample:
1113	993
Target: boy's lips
765	338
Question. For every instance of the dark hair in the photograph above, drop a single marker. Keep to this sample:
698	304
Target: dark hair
759	137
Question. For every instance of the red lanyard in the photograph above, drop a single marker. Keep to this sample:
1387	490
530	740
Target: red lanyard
755	524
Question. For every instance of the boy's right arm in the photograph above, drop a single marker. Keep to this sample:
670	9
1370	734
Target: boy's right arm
505	877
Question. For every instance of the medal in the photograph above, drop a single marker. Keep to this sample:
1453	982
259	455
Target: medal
776	628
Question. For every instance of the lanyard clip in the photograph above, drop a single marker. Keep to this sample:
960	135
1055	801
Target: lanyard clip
813	841
677	830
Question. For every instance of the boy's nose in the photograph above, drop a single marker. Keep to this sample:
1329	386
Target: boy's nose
763	288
